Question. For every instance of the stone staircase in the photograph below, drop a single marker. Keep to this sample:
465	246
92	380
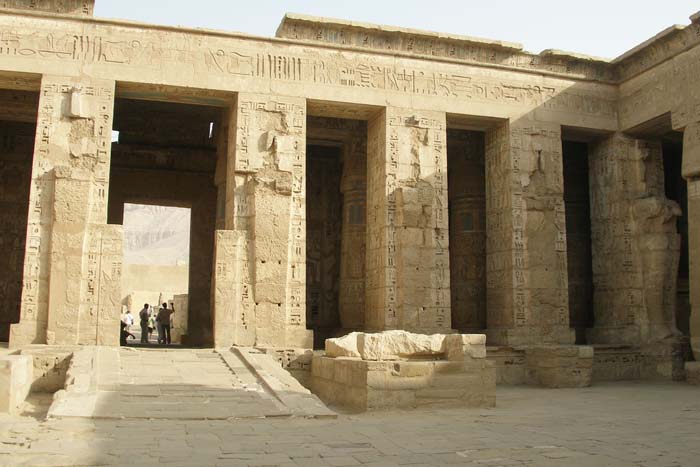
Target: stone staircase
181	384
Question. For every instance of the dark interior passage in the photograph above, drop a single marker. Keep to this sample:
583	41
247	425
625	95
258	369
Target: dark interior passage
467	214
166	155
677	190
578	237
324	208
17	133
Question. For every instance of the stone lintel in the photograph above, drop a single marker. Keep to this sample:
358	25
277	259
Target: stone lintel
392	39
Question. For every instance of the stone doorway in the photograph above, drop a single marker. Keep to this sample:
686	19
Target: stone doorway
18	120
156	264
578	236
335	226
165	154
467	215
677	190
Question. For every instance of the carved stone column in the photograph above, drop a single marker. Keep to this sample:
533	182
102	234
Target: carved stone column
266	205
527	291
72	269
353	237
408	278
634	241
691	172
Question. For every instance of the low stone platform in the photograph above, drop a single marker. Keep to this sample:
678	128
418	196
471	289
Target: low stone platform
397	369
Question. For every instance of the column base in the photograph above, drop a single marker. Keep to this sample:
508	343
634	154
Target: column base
559	366
526	335
661	361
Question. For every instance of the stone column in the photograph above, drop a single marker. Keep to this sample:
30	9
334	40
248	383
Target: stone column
408	278
72	270
634	241
353	185
691	172
266	205
527	291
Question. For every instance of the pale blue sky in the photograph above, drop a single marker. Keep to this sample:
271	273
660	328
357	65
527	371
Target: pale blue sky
604	28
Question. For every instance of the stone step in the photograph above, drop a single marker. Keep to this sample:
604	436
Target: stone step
283	385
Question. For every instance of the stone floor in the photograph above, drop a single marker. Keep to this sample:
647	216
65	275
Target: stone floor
184	384
616	425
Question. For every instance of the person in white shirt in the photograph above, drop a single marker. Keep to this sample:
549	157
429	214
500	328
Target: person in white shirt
128	319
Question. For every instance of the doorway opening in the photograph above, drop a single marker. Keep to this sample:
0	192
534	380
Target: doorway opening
18	122
156	264
579	254
467	214
677	190
336	174
164	154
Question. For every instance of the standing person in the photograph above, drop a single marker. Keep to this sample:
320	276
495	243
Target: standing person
163	319
143	320
159	328
151	323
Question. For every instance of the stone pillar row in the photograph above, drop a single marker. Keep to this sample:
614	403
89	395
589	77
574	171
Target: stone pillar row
73	260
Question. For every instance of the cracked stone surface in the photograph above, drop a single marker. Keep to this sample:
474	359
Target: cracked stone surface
617	425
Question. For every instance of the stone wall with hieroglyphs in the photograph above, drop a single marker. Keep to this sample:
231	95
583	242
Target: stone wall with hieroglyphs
634	241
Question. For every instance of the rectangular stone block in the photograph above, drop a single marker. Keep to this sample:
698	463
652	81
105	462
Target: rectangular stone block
16	377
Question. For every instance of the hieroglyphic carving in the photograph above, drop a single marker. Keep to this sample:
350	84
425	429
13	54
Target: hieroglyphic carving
73	7
407	224
266	194
253	61
635	243
72	145
527	287
437	46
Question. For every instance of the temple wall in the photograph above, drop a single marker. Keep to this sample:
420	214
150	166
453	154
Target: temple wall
132	53
67	239
266	206
635	243
383	254
527	288
408	270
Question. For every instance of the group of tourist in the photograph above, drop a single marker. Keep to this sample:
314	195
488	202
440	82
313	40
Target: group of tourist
149	321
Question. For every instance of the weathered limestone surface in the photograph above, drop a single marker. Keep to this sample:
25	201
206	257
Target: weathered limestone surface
16	373
72	268
400	369
559	366
635	243
381	241
691	172
527	290
692	371
266	205
70	7
408	266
